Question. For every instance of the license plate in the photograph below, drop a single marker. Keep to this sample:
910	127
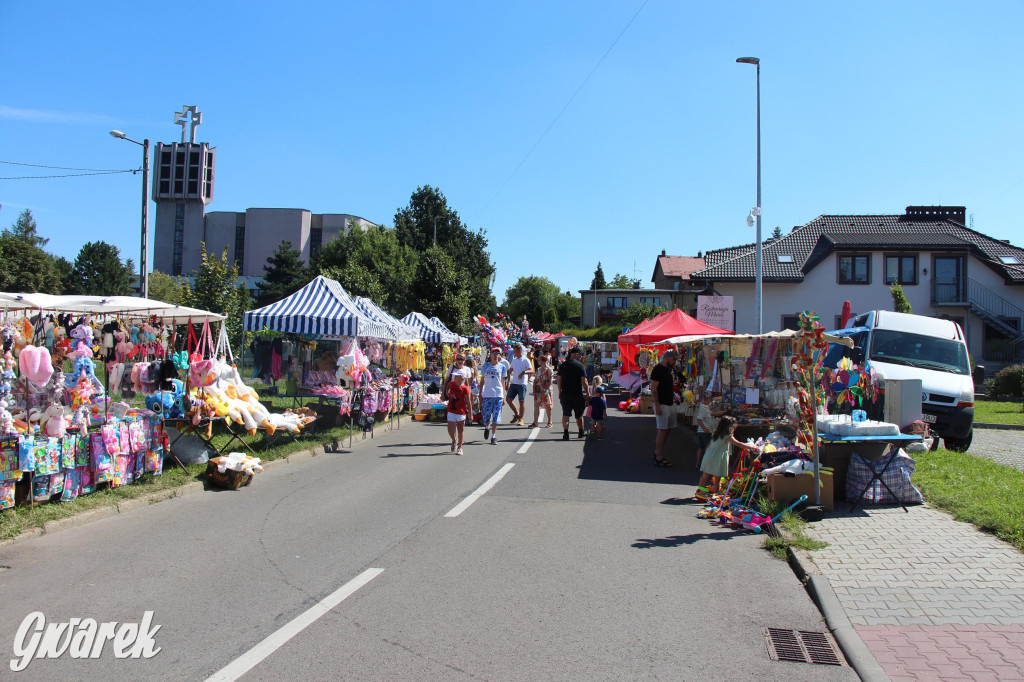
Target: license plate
928	418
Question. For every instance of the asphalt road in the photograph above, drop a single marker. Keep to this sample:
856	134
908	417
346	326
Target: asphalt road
569	568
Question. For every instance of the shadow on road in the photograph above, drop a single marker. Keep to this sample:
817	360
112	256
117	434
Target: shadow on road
680	540
627	450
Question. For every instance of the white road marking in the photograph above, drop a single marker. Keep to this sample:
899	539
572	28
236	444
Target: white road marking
529	441
479	492
254	656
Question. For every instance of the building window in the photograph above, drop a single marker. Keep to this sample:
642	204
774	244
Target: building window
1009	260
179	211
616	302
784	258
239	245
791	322
901	269
651	300
176	261
179	231
316	239
855	269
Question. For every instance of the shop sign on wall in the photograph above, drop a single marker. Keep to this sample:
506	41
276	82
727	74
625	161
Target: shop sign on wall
716	310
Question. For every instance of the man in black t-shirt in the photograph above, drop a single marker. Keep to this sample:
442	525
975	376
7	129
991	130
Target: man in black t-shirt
573	389
663	392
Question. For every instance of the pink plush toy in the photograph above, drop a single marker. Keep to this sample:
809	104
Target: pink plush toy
52	423
35	364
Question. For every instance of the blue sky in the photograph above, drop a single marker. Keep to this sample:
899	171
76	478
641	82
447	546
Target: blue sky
344	107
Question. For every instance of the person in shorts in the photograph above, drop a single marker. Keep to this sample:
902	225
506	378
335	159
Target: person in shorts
573	388
495	379
519	374
459	408
663	393
542	380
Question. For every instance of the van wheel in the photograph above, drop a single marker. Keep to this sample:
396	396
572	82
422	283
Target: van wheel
959	444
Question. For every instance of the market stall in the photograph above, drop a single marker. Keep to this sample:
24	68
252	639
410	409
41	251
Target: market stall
364	340
651	334
62	433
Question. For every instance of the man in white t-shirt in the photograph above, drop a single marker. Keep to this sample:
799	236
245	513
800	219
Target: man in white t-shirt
495	378
521	368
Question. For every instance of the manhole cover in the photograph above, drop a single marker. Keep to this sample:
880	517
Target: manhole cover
801	646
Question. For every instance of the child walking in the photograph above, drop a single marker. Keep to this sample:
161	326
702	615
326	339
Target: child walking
459	407
598	409
715	464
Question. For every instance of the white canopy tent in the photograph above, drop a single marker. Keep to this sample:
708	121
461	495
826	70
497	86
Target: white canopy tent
105	305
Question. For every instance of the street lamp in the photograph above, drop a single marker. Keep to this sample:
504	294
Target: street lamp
756	212
144	260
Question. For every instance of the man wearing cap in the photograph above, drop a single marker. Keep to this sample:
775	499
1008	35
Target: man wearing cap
573	388
520	369
492	393
663	393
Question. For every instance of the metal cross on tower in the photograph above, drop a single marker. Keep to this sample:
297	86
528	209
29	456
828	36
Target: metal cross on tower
188	116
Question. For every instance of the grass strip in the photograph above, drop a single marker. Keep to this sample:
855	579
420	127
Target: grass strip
994	412
974	490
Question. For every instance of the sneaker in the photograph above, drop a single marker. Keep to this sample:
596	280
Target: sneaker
565	435
581	434
487	432
453	446
459	452
494	440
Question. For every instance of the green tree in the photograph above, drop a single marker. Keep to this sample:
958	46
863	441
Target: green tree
900	303
166	288
66	271
638	312
284	274
99	271
25	228
218	290
620	281
599	281
415	225
777	232
26	267
371	262
568	307
439	286
532	296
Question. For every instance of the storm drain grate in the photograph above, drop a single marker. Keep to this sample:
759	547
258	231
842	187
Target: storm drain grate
801	646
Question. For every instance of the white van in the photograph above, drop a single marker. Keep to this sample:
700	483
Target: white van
901	346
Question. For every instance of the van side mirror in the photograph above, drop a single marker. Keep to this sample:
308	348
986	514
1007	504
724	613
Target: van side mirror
857	355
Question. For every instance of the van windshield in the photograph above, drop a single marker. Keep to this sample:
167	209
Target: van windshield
915	350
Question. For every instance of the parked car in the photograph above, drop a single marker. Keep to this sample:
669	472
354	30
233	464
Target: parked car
902	346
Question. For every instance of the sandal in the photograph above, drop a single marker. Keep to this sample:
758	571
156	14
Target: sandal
662	462
533	426
548	425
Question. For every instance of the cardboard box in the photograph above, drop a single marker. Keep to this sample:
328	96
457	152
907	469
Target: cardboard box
786	489
646	404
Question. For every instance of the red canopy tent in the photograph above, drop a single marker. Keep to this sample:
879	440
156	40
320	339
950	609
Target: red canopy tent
665	325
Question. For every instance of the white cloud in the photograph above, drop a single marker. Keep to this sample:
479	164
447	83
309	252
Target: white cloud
48	116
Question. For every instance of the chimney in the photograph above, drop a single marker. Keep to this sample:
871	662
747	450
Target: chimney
956	214
663	252
700	254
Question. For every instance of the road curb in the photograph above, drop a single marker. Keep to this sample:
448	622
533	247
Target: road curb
999	427
853	647
127	505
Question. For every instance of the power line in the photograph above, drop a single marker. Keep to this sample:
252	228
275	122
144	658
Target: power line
70	175
562	111
36	165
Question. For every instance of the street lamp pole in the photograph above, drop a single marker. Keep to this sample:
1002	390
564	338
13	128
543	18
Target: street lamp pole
758	272
144	258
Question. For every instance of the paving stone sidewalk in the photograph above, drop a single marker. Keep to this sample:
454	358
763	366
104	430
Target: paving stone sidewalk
1000	445
932	598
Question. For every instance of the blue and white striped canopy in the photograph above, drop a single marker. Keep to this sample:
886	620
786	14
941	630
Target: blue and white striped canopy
401	331
452	337
425	328
321	309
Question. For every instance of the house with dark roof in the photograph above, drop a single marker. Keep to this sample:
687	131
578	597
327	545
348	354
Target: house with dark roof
945	269
673	288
